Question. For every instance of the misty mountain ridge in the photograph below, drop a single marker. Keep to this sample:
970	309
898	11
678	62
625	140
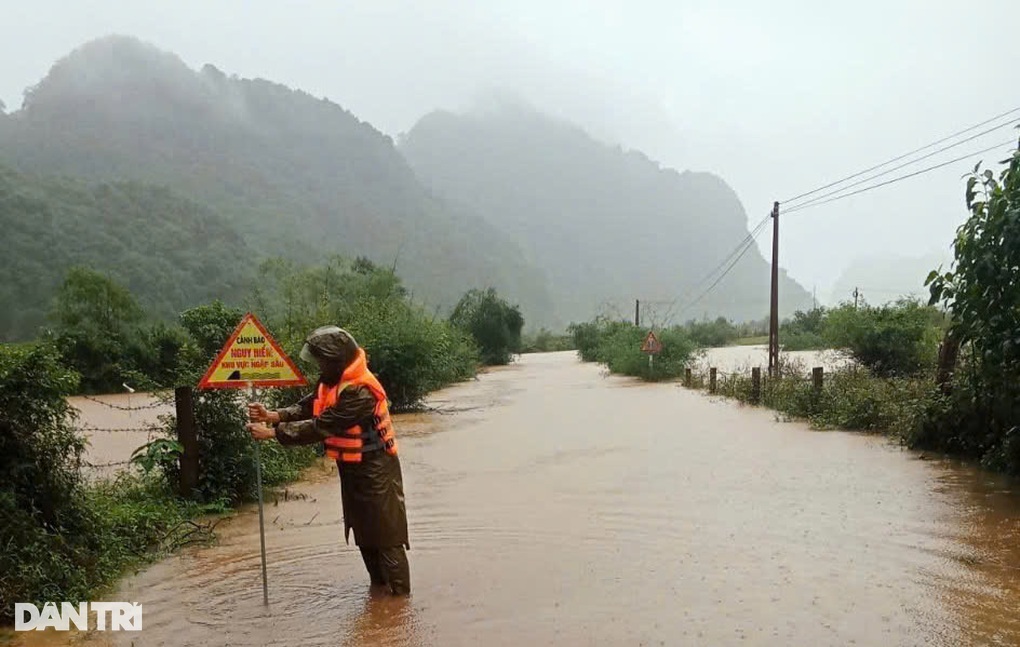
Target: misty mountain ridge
604	224
296	175
505	197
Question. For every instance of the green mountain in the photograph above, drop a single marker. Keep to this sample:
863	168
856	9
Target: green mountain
170	251
604	224
294	175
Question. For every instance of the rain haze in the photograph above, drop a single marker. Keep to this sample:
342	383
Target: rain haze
454	323
776	98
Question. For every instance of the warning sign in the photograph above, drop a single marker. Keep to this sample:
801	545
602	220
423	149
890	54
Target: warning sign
251	357
651	345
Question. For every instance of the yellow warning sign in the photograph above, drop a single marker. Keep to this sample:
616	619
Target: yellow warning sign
251	358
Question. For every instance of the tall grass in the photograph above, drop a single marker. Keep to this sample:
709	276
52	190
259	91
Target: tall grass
851	398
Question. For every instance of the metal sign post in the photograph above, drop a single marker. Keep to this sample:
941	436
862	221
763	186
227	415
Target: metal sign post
251	358
262	524
651	346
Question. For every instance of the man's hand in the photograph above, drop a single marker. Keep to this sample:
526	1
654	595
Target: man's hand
261	431
257	412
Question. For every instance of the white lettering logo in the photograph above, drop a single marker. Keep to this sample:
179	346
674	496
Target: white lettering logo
123	616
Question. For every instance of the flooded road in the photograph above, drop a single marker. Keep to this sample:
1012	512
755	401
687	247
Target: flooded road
741	359
115	426
550	504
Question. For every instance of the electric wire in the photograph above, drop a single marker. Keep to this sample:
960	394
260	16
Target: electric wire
820	201
907	154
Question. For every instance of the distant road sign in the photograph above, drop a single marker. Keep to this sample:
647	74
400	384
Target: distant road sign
651	345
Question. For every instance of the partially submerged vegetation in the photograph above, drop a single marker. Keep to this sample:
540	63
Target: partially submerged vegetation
617	344
67	536
960	396
941	379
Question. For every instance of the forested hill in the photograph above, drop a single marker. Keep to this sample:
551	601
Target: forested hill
293	174
603	223
171	252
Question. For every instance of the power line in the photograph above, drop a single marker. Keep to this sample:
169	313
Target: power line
903	165
739	249
736	260
819	201
904	155
747	244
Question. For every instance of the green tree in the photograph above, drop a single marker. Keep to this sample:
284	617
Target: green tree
209	327
982	416
90	299
97	328
494	324
980	292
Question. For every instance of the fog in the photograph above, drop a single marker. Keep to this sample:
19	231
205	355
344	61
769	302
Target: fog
778	98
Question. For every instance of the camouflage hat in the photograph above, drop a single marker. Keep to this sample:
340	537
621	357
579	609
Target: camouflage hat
330	343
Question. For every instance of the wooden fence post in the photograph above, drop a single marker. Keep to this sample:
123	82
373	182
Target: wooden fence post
756	384
687	377
818	379
187	436
711	380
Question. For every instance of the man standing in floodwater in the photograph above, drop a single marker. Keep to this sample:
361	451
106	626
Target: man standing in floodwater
349	414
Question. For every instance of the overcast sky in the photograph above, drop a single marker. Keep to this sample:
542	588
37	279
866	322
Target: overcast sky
777	97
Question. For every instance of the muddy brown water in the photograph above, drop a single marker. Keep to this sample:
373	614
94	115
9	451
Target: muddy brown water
550	504
115	426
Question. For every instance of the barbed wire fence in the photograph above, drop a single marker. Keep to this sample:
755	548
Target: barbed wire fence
160	401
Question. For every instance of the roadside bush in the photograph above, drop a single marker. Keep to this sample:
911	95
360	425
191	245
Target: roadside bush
618	346
589	337
855	399
492	322
711	334
851	398
891	340
967	420
586	339
48	548
805	330
64	538
411	352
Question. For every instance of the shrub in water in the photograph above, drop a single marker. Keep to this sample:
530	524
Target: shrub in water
493	323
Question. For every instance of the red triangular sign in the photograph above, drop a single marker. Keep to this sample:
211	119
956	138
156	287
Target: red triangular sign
251	357
651	344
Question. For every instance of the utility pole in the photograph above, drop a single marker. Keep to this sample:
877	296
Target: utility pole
774	310
637	312
856	294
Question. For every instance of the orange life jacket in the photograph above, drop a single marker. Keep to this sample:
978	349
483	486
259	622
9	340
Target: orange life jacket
355	441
